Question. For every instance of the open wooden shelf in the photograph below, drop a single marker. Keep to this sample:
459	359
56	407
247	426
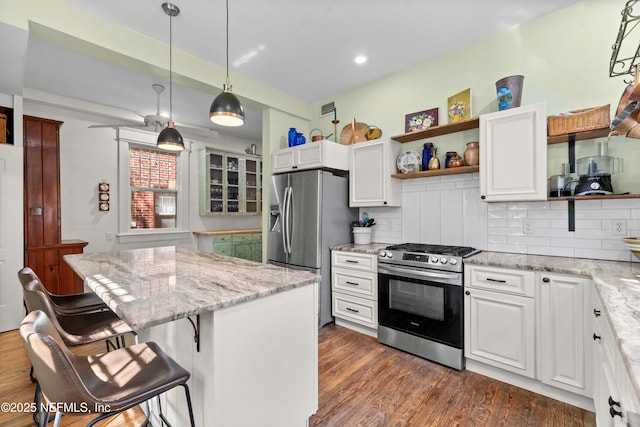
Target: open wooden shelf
437	172
590	134
431	132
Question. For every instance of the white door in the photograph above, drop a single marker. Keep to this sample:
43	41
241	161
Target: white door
11	235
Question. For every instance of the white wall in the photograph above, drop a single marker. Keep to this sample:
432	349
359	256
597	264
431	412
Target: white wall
89	156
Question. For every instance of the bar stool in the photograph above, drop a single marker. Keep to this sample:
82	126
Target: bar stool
75	329
105	384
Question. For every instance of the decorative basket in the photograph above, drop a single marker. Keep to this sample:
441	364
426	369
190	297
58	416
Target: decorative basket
3	128
579	121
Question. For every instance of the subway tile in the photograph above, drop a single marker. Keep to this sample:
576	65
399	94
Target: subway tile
528	240
518	249
546	214
576	243
527	205
497	222
496	206
554	232
506	231
515	222
617	244
603	214
603	254
588	204
550	251
497	238
592	234
621	204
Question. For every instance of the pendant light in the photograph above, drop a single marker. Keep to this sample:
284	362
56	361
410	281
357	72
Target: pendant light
170	139
226	109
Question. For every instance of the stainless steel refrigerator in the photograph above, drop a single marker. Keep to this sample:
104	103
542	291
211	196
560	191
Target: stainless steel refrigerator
309	213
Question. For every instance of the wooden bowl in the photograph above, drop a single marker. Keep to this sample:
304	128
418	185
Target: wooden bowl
633	243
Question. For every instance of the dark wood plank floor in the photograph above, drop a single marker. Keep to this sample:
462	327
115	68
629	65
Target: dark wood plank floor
364	383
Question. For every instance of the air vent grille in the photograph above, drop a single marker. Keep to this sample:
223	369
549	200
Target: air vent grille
328	108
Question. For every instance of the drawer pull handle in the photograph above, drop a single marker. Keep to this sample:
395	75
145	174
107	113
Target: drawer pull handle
353	310
353	283
352	261
596	312
489	279
596	337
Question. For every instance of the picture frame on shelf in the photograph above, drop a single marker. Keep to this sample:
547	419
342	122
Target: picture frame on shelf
420	120
459	106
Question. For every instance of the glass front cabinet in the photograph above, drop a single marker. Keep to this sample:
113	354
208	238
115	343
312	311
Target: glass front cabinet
230	183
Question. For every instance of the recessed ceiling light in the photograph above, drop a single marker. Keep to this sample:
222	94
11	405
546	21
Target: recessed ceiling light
360	59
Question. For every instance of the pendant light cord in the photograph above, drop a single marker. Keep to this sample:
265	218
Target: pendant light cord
170	67
227	9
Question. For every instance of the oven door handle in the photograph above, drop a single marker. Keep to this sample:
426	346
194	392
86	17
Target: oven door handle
418	274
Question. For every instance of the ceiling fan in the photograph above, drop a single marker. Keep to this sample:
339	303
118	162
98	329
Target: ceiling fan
155	121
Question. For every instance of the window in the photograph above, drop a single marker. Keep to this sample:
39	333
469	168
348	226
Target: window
152	179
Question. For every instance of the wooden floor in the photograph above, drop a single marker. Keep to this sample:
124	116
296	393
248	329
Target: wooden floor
364	383
361	383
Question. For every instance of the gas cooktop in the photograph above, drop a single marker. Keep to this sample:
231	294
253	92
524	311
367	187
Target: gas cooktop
426	256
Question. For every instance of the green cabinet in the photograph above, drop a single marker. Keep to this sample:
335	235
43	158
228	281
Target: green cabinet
240	245
230	183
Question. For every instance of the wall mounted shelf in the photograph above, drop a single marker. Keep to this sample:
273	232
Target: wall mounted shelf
437	172
603	197
472	123
590	134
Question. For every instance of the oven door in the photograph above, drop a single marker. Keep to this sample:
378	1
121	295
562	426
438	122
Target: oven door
421	302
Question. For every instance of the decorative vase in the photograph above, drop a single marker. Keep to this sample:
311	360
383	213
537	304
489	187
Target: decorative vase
472	154
509	91
434	163
292	137
451	155
426	155
300	139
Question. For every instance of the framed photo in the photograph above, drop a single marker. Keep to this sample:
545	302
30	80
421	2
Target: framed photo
459	106
420	120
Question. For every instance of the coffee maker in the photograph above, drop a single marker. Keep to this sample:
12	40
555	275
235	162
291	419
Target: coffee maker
595	173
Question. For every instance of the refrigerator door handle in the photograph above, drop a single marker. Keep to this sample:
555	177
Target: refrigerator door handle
285	219
289	219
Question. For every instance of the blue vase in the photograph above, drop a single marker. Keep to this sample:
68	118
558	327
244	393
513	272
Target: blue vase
427	153
292	137
300	139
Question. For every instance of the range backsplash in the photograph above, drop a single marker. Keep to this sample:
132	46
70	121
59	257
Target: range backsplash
448	210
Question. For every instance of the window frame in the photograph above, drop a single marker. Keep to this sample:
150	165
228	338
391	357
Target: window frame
127	138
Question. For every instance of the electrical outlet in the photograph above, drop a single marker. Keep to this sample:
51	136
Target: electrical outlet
619	227
109	235
528	226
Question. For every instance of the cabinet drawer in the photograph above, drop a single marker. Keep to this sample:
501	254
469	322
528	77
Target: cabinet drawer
354	261
359	283
354	309
223	238
223	248
499	279
241	238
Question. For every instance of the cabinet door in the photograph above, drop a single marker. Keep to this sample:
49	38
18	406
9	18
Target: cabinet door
282	160
513	154
500	330
309	156
370	181
564	357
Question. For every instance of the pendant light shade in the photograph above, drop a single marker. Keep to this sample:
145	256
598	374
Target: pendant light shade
226	109
170	139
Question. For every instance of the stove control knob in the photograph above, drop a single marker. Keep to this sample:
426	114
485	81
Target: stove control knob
382	254
434	259
443	260
389	255
595	185
453	261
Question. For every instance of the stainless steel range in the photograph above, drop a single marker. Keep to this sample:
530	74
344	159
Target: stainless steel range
420	300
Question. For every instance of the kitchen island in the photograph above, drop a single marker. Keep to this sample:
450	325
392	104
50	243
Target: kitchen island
255	359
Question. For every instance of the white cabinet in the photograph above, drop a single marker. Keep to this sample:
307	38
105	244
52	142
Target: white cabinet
354	286
564	336
513	154
371	165
499	318
320	154
614	397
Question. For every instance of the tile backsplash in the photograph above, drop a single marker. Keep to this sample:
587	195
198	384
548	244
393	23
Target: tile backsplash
447	210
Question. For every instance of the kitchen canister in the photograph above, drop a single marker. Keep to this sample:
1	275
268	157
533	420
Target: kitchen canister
361	235
509	90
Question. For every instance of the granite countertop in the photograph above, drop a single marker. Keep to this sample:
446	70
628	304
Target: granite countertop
147	287
223	232
617	283
371	249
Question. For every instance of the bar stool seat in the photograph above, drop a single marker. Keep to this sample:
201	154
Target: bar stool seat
75	329
104	384
77	303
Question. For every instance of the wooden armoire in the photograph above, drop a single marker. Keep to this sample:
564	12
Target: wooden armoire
44	247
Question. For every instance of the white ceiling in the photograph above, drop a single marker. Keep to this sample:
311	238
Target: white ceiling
302	47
